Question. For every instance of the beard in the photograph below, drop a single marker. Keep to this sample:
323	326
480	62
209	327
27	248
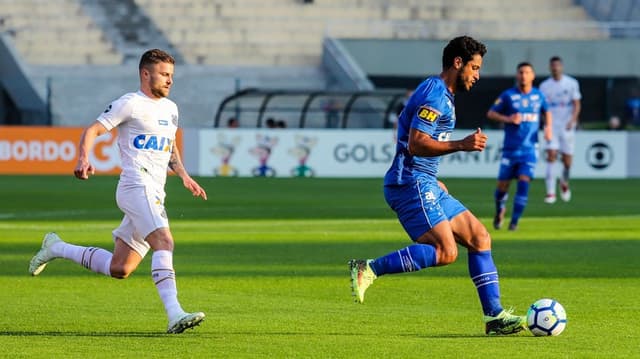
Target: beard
160	92
461	84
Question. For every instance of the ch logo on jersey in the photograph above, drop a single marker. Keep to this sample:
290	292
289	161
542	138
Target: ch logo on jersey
152	142
428	113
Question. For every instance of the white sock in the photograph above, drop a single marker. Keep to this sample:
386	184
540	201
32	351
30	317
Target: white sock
95	259
165	280
550	178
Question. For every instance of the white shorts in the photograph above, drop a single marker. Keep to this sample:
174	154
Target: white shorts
563	140
144	212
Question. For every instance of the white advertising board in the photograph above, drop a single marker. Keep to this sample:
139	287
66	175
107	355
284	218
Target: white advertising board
598	154
368	153
290	153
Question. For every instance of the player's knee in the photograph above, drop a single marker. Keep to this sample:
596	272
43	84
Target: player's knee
481	239
120	271
160	239
447	255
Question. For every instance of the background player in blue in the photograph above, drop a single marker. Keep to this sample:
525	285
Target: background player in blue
435	220
519	108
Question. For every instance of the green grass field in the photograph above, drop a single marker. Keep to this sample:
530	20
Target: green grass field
265	259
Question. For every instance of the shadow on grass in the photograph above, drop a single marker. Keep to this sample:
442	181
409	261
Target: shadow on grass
525	259
80	334
25	333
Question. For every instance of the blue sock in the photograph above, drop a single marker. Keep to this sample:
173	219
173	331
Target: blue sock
409	259
484	275
520	201
501	200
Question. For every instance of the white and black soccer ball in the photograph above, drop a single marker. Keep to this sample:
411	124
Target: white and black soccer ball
546	317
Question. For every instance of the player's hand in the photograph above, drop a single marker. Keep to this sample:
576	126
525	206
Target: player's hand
83	170
570	125
476	141
194	187
515	118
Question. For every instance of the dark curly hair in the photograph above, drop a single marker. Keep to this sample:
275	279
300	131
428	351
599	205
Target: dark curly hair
464	47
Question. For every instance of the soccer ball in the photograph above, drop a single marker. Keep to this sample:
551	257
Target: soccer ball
546	317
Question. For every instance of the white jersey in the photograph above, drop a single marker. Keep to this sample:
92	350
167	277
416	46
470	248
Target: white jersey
560	96
146	135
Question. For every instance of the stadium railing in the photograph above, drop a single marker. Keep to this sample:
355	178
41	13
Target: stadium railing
312	108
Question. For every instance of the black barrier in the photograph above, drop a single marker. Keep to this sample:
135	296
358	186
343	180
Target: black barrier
253	107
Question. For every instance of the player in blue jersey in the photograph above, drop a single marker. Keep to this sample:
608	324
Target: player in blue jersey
434	220
519	109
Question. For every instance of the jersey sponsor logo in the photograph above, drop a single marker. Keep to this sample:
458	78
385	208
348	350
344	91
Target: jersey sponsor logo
429	196
529	117
428	113
444	136
152	142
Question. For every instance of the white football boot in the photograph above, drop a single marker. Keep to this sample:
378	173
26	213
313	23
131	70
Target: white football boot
44	256
186	321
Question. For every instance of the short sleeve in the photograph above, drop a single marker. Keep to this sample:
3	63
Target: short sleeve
427	113
426	118
499	104
576	95
116	113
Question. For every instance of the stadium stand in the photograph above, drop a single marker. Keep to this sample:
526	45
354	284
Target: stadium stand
275	32
623	12
288	32
56	33
269	44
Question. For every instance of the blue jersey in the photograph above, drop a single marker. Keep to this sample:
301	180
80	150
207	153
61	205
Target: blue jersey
430	110
522	138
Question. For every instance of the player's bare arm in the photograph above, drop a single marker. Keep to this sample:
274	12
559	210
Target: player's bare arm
548	127
498	117
421	144
577	106
175	164
87	139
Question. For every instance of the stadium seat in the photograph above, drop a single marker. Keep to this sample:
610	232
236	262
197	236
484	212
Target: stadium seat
56	32
271	32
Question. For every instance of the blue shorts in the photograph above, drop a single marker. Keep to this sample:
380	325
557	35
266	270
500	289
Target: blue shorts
513	166
421	206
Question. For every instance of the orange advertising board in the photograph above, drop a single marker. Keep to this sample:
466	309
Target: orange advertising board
54	150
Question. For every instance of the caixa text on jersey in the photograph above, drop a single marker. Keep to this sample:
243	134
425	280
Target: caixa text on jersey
152	142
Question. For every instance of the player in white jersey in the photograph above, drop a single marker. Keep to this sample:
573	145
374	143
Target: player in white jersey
147	122
563	96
